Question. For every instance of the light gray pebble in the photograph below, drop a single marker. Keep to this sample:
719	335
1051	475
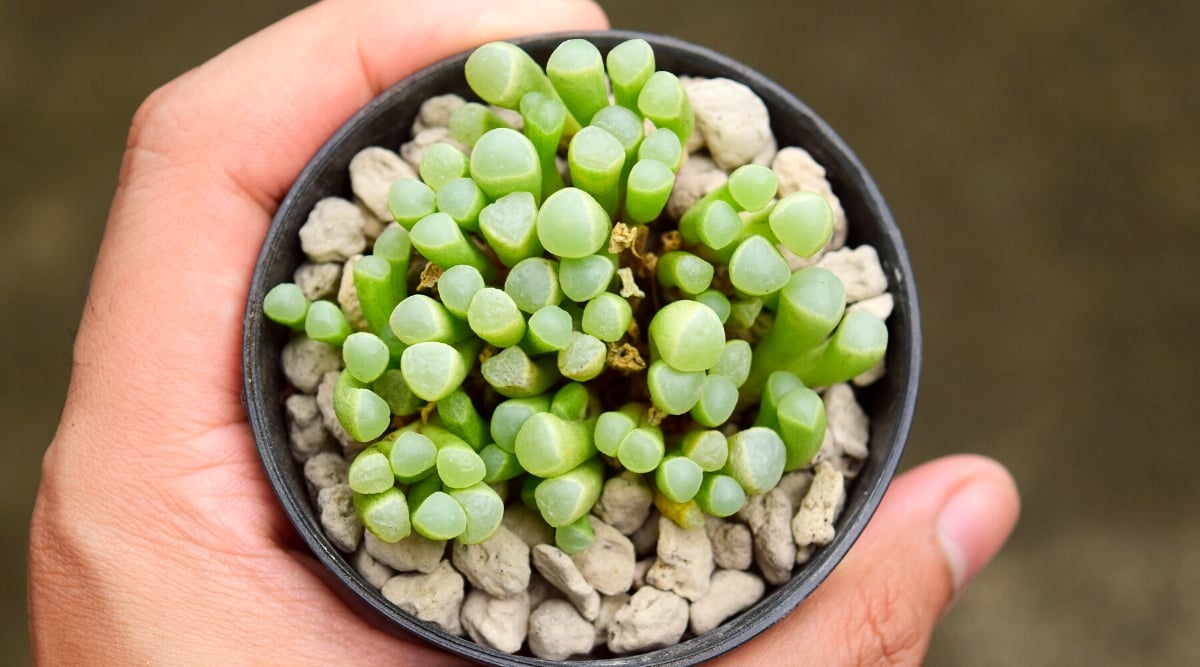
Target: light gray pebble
348	297
421	141
645	538
540	590
558	569
774	549
306	361
435	111
527	525
651	619
732	119
813	523
732	544
326	469
499	623
372	172
436	597
846	420
375	572
335	505
794	485
624	503
557	631
731	592
499	565
859	270
609	604
307	436
609	562
318	281
698	176
333	231
685	560
411	554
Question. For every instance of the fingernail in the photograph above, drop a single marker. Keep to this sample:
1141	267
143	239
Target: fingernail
971	527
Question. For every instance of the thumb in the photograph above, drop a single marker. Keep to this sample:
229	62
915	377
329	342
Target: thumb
937	527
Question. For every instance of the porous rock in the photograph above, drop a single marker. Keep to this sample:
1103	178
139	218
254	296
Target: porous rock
421	141
411	554
435	111
794	485
326	469
732	544
348	297
318	281
527	525
307	436
730	592
560	571
846	420
651	619
685	560
335	505
859	270
499	565
698	176
333	231
609	604
774	549
436	597
305	362
499	623
645	538
813	523
732	119
624	503
372	570
372	172
557	631
608	563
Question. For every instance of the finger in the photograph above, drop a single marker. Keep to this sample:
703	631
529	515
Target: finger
211	153
938	525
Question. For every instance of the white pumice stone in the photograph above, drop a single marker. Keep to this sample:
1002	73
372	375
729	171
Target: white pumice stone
326	469
858	269
732	543
347	297
846	420
685	560
797	171
651	619
421	141
307	436
624	503
499	623
609	604
813	523
335	505
698	176
318	281
499	565
411	554
557	631
436	597
541	590
372	172
880	306
435	111
774	549
794	485
732	119
527	525
731	592
333	231
645	538
375	572
609	562
560	571
305	362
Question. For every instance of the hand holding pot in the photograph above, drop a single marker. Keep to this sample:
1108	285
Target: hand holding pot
156	536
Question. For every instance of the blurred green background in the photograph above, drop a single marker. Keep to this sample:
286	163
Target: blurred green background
1042	159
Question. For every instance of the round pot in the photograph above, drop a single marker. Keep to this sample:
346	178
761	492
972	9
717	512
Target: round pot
890	402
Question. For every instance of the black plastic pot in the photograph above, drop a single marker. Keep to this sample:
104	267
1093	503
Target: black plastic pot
890	402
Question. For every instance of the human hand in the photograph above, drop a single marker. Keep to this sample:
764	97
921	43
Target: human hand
156	537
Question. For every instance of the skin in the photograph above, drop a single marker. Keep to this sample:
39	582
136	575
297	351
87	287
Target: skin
156	538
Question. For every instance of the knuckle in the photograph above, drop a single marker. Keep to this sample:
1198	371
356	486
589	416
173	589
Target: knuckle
887	626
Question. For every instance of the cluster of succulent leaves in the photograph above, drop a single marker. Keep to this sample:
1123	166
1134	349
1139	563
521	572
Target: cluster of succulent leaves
528	361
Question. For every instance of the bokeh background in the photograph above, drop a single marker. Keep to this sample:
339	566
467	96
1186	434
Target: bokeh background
1042	159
